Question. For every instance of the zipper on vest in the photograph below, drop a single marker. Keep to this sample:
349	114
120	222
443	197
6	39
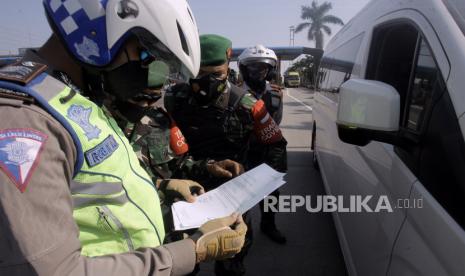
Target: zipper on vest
106	214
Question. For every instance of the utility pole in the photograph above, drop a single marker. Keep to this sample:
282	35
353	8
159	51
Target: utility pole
291	36
291	40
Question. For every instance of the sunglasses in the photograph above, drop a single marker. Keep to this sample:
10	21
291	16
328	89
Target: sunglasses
257	67
146	58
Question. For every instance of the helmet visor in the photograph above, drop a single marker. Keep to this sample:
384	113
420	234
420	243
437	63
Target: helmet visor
258	71
163	59
268	61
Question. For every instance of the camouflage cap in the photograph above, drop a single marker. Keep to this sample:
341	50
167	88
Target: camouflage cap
216	50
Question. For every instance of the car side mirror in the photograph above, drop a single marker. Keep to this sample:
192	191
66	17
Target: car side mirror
368	110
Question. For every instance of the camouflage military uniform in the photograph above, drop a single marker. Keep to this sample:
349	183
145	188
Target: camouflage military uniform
151	140
224	130
218	132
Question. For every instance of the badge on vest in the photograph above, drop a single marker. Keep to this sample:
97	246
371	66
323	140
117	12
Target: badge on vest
21	72
101	152
19	154
81	116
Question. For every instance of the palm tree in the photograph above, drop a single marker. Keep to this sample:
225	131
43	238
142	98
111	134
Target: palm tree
317	22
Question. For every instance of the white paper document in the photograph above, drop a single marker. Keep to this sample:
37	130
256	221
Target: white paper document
237	195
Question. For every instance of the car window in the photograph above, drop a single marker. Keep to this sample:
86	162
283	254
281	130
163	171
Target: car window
425	77
336	67
392	54
434	148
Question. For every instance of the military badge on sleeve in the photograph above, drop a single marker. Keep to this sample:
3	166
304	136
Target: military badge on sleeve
19	154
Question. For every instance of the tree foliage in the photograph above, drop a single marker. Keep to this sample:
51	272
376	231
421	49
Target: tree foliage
306	69
316	20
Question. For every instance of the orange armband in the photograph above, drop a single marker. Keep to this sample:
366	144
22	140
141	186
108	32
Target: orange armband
266	129
178	142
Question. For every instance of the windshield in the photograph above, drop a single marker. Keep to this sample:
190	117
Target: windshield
457	10
293	77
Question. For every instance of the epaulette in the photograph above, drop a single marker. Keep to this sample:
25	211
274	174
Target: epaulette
21	72
15	95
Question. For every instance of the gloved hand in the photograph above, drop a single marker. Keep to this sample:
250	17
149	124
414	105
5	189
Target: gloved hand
225	169
220	238
181	188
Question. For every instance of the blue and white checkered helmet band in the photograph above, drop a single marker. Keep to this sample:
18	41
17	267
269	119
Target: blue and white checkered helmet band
94	30
82	25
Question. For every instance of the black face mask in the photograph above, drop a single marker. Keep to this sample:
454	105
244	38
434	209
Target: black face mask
255	78
210	89
126	81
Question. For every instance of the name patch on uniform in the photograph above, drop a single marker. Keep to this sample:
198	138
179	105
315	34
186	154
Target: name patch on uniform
102	151
19	154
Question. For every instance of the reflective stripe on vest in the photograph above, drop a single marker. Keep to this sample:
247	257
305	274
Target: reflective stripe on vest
116	205
98	193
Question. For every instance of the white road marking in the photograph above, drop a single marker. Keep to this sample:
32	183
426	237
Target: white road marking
299	101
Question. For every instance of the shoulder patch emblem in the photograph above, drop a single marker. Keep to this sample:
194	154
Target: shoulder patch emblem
81	116
19	154
248	101
86	49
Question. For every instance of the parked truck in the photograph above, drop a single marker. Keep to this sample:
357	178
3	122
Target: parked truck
292	79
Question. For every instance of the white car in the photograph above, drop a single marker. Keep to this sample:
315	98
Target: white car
389	120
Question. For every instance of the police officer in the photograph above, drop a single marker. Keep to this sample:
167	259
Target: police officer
219	119
73	196
257	65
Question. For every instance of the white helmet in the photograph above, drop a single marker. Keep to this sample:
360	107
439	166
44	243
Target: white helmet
94	30
258	53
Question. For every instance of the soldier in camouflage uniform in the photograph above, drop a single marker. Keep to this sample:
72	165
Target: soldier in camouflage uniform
163	152
219	120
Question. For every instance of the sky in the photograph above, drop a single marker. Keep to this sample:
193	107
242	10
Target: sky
245	22
250	22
